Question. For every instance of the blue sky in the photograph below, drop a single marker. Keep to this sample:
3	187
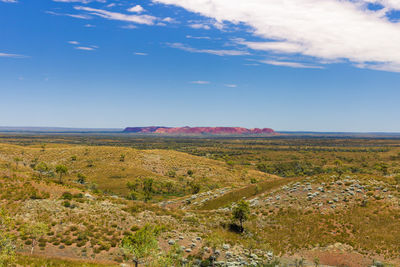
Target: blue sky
329	66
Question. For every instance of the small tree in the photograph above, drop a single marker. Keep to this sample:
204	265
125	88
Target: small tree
36	231
61	170
339	168
241	213
122	158
142	244
147	188
42	168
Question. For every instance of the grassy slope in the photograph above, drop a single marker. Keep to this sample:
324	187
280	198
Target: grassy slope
373	229
103	167
36	261
245	192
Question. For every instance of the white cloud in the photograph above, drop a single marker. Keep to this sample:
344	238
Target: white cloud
136	9
73	42
85	48
209	51
80	1
129	27
89	26
200	82
199	26
325	30
77	16
12	55
230	85
169	20
9	1
140	19
140	54
278	47
290	64
198	37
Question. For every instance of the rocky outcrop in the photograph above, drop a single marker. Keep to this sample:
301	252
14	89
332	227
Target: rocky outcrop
199	130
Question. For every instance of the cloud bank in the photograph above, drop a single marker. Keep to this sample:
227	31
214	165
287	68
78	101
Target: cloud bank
325	31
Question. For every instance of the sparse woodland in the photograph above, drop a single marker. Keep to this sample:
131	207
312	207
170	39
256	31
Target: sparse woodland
105	201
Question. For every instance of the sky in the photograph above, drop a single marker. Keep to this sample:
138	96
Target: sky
293	65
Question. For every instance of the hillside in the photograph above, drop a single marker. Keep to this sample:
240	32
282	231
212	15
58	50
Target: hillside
82	217
110	168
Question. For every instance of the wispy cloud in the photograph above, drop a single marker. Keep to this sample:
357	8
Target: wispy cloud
277	47
208	51
198	37
77	16
140	54
139	19
12	55
9	1
200	82
85	48
230	85
327	31
129	27
290	64
78	46
80	1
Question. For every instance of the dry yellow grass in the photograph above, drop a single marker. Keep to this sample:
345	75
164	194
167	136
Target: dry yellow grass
102	165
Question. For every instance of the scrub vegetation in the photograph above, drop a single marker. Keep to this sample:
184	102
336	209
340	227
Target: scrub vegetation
81	200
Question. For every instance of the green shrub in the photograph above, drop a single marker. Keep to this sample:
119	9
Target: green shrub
134	228
66	204
66	196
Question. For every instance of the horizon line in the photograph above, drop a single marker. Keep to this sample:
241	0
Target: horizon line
44	128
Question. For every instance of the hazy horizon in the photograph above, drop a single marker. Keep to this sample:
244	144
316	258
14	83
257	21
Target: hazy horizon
44	128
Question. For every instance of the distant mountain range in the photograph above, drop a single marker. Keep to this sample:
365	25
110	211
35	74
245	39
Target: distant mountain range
199	130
